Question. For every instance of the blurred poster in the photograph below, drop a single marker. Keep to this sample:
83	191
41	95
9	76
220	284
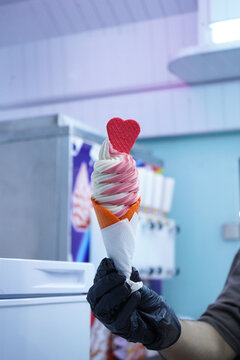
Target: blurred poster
101	341
81	199
106	346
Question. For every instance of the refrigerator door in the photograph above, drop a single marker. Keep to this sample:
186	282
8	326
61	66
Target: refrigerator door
33	277
43	310
45	328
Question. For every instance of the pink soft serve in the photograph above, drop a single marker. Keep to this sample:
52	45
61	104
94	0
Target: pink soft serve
125	176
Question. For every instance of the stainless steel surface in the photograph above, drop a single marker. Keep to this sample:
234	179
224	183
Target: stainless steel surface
45	126
28	193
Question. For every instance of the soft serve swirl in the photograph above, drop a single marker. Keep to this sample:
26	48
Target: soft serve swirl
115	180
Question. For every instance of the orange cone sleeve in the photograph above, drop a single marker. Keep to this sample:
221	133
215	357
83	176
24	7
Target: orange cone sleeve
107	218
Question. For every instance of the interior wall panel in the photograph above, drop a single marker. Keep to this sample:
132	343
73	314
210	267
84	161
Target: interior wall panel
215	106
199	109
116	58
180	110
34	20
231	104
126	57
223	10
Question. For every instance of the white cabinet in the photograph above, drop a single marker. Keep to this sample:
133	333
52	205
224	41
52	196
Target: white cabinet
44	314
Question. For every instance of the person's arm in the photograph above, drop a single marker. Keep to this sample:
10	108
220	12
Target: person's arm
199	341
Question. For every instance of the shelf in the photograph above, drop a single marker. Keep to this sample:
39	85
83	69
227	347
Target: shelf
209	63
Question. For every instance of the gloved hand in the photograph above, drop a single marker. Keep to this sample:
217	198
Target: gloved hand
142	317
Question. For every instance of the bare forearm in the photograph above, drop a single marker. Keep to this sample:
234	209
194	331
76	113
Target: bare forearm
199	341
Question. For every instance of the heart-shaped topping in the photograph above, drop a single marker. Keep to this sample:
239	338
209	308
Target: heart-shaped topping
123	134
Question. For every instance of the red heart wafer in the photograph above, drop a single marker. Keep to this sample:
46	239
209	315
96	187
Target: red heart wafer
123	134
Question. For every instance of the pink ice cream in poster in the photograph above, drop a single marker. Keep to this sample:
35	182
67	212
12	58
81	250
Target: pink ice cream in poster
81	200
124	350
101	339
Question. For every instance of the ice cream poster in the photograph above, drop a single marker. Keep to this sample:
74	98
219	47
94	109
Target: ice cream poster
106	346
82	163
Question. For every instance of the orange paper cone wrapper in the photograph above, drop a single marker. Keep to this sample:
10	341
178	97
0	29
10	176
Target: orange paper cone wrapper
107	218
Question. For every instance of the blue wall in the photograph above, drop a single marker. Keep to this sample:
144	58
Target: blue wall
206	196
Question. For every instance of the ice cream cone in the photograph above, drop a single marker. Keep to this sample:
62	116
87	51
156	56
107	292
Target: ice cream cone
115	196
122	229
107	218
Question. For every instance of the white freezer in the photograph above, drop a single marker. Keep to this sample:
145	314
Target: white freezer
44	314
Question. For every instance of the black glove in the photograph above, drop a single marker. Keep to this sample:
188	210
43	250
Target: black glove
141	317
